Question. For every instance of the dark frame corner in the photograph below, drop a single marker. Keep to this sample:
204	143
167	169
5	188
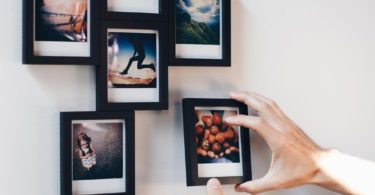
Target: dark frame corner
161	16
66	119
226	40
192	178
28	56
101	78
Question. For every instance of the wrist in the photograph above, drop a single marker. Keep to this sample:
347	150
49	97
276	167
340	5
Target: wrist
321	159
331	172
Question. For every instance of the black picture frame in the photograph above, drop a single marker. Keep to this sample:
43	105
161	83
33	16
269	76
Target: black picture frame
189	119
102	102
66	146
29	56
135	16
225	61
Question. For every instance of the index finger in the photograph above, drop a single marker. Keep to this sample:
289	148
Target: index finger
258	105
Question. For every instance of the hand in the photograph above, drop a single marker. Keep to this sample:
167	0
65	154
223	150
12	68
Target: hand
214	187
294	154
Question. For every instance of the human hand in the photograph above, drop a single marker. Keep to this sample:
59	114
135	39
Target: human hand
214	187
294	154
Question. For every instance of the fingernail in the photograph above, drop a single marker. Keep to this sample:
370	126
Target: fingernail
230	119
238	188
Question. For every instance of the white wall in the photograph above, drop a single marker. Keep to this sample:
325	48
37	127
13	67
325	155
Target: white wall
314	57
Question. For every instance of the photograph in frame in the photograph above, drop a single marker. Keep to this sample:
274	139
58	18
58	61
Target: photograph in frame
198	29
60	24
135	10
59	32
200	33
133	6
133	71
214	148
218	145
97	153
132	65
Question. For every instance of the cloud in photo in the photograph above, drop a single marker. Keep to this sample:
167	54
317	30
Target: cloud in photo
201	10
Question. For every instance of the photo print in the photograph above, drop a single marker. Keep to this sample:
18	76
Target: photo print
98	155
134	6
133	71
198	29
213	147
132	65
198	22
61	24
132	60
217	143
61	20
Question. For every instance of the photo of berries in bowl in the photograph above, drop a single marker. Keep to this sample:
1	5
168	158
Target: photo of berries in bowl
216	141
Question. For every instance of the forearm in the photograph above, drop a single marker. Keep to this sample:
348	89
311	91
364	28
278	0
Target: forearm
345	174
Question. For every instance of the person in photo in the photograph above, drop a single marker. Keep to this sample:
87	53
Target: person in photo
125	49
138	56
97	150
86	151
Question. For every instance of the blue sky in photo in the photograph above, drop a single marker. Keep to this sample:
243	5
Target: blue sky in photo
126	49
207	11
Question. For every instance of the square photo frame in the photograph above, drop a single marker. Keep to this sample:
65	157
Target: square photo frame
212	147
97	153
143	10
60	32
200	33
133	74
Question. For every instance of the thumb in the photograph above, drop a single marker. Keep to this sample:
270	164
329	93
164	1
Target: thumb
214	187
256	186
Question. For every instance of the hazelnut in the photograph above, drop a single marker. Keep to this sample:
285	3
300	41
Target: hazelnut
220	137
199	129
216	119
216	147
207	120
211	139
229	134
206	133
201	152
214	130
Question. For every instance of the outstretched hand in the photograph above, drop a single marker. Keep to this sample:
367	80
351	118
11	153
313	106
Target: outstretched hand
293	153
296	159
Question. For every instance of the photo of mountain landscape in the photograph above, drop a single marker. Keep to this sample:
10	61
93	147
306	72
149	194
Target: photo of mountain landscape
198	22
